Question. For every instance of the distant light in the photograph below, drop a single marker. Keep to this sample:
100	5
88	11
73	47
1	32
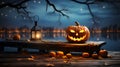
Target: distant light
3	2
10	10
26	4
15	17
98	38
24	18
108	36
81	9
39	1
2	14
103	7
92	22
6	15
13	8
34	1
6	6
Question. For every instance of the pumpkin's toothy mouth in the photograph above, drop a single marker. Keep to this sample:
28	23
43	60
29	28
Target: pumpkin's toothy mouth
77	39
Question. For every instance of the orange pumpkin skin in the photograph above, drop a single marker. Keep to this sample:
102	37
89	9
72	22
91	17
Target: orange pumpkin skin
85	54
95	56
60	53
69	55
52	54
16	37
103	53
77	33
64	57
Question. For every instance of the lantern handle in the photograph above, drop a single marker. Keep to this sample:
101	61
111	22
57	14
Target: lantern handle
77	23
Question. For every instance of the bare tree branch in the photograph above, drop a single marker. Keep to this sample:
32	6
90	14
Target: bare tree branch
112	2
87	2
18	6
108	1
22	9
93	17
55	9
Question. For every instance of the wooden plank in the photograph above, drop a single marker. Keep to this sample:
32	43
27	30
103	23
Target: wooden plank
15	55
78	61
63	46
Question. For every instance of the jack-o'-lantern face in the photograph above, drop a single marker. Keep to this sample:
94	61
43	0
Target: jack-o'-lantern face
77	33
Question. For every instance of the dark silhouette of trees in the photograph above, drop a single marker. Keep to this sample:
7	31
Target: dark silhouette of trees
55	9
90	2
18	5
21	8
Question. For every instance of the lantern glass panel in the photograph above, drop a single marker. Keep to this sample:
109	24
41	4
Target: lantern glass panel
38	34
33	34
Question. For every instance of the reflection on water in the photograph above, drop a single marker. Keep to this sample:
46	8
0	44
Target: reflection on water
10	35
54	36
109	36
112	39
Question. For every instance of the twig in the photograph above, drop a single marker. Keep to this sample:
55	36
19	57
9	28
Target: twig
87	2
55	9
18	6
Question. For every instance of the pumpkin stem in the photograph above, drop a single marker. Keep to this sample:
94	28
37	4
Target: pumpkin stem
77	24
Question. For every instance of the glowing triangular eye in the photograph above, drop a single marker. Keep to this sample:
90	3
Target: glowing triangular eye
81	31
72	31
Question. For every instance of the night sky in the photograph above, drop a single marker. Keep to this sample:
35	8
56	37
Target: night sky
106	14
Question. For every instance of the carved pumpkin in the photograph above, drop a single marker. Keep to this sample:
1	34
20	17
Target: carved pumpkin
103	53
85	54
95	56
77	33
16	37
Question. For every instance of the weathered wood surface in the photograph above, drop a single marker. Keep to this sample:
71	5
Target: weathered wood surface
63	46
42	60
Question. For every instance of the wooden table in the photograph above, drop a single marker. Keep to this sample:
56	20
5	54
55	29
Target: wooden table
89	46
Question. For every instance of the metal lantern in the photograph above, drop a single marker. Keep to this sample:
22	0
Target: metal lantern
35	32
